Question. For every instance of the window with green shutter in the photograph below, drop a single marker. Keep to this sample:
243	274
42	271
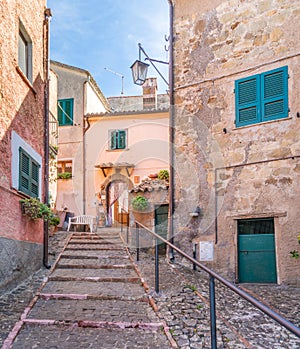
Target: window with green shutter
28	174
262	97
117	139
65	112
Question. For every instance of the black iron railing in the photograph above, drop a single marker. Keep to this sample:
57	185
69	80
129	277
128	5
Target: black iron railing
212	277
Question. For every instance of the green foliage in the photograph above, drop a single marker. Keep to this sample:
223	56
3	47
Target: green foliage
163	174
295	254
140	203
54	220
34	209
64	175
191	287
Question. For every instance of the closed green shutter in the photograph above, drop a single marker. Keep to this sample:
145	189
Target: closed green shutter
34	179
262	97
121	139
113	140
24	172
247	101
68	112
60	113
275	94
65	112
28	174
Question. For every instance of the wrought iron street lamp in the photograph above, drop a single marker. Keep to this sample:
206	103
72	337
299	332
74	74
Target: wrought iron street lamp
139	72
139	68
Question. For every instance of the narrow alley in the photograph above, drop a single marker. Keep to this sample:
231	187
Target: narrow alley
97	296
93	298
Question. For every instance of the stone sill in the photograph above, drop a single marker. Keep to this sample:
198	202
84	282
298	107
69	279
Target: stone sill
117	150
24	78
261	123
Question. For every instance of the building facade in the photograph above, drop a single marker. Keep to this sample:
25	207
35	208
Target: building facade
74	94
124	148
237	143
23	79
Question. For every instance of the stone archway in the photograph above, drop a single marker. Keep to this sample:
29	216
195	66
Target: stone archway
117	199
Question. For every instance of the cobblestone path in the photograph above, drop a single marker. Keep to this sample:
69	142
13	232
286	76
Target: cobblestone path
183	302
93	298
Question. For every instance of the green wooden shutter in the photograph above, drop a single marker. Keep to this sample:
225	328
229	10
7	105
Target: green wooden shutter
24	172
247	100
34	179
121	139
113	140
28	174
275	94
68	112
60	113
65	112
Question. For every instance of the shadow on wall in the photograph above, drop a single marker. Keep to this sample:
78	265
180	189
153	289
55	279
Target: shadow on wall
20	239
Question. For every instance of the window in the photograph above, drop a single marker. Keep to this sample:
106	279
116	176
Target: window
64	169
28	174
117	139
262	97
136	179
25	52
65	112
64	166
256	226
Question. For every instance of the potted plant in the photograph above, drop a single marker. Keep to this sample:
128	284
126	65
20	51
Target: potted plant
34	209
140	203
163	175
64	175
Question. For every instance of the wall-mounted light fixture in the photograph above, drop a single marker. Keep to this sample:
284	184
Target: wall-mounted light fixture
196	212
139	68
139	72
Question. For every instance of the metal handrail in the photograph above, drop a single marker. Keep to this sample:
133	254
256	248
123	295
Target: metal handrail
127	224
213	275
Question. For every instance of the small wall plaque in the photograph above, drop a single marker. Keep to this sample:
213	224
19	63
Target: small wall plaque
206	251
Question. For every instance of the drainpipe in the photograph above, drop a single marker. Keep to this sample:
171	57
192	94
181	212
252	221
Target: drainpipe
48	16
84	130
171	130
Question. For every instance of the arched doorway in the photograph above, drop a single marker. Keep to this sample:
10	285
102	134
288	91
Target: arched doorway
117	202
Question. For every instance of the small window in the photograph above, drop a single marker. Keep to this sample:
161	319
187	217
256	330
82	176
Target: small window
262	97
28	174
256	226
136	179
25	52
65	112
64	166
117	139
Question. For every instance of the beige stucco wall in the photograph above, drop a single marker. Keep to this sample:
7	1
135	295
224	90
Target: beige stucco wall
53	138
147	150
234	173
74	83
92	103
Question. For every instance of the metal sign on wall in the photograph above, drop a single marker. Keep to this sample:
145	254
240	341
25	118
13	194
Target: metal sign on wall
206	251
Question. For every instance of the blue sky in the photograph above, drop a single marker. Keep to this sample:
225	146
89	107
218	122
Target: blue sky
98	34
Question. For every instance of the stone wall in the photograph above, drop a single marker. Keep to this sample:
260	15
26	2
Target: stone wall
235	172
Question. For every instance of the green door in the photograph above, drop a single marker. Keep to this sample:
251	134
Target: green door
256	251
161	224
